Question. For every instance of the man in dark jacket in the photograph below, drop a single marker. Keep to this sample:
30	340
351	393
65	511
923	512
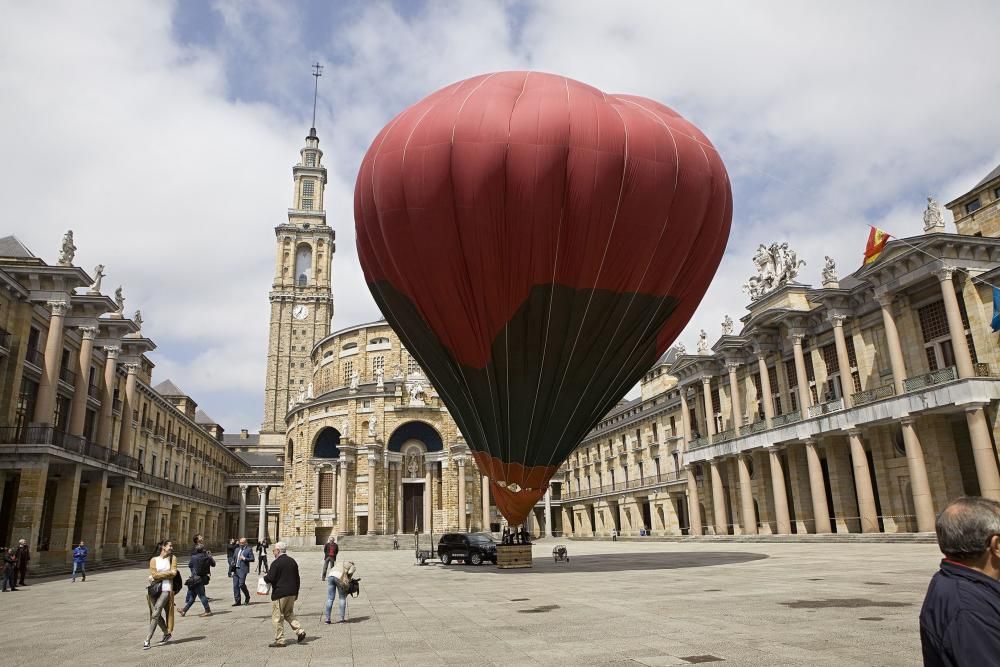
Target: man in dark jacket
23	556
330	551
284	580
201	564
960	619
240	566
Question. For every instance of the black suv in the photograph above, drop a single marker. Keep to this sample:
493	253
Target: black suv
473	548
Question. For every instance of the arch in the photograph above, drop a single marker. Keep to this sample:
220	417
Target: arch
326	444
416	430
303	262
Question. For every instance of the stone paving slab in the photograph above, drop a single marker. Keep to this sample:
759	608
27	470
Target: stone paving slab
623	603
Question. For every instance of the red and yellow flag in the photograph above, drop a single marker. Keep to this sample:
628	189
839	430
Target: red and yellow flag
877	239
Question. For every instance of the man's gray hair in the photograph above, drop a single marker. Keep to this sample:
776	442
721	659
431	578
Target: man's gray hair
281	547
965	527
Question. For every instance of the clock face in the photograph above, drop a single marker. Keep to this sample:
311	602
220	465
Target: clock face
300	312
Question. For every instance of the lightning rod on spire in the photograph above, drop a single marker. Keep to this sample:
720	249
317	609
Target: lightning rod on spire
317	72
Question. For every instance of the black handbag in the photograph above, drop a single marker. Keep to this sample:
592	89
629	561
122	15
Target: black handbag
154	589
193	581
178	582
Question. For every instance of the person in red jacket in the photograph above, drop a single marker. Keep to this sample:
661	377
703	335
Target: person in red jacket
330	550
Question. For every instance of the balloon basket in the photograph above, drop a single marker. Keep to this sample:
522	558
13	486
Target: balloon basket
513	556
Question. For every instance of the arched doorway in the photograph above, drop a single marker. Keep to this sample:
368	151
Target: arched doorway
413	441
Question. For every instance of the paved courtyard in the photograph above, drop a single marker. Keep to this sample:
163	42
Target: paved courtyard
613	603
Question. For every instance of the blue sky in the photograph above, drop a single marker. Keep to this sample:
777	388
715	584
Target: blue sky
164	133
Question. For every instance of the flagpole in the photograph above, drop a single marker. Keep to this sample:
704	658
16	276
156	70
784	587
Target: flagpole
957	268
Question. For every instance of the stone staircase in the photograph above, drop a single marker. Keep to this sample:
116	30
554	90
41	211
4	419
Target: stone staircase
377	542
831	538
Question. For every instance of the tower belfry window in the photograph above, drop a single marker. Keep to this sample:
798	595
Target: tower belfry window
310	159
308	192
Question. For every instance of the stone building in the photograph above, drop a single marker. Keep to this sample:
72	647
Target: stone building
89	448
861	405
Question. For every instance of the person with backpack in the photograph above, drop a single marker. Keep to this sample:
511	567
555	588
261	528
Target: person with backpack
201	565
80	561
342	580
330	551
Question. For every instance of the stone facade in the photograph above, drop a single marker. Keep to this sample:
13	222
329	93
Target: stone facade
89	449
861	406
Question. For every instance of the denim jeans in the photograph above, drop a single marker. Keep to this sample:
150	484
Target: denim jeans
82	567
199	592
332	589
10	579
328	563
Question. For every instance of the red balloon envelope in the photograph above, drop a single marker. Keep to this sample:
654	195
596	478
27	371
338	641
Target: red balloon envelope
537	244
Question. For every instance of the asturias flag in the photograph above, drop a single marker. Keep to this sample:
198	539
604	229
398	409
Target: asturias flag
877	239
995	324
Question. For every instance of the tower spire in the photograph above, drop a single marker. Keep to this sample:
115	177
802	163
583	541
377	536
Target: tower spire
317	73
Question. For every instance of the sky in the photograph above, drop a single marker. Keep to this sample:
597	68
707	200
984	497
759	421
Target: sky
163	133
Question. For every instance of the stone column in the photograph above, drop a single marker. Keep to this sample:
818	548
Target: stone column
29	503
846	379
821	511
45	403
548	511
805	397
262	515
746	497
694	504
982	453
93	513
709	410
892	340
64	506
117	520
486	504
242	529
106	420
765	387
782	520
685	421
462	525
372	501
923	504
78	408
734	396
963	358
863	483
342	497
428	487
125	438
399	498
718	499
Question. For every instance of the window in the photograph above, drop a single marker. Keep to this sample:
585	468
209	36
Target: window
996	193
972	206
303	263
25	410
326	490
152	465
310	159
349	346
348	371
378	364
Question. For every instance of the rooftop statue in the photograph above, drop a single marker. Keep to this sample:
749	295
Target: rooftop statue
933	220
829	271
68	250
727	326
703	343
776	265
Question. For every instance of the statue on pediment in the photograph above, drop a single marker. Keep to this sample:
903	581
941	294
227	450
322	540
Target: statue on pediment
703	343
829	271
95	287
776	265
67	251
680	349
933	220
417	395
727	326
120	300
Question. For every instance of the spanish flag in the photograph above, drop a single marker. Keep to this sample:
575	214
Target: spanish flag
877	239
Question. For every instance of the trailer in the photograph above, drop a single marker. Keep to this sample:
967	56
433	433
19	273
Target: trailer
424	555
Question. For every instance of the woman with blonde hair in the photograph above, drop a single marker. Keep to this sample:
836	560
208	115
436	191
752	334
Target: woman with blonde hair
160	592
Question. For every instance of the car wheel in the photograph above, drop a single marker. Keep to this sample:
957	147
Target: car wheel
476	559
445	558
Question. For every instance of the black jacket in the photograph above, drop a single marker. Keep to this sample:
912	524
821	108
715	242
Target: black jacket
960	619
201	564
283	577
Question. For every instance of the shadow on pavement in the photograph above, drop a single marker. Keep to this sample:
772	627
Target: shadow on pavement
357	619
184	640
627	561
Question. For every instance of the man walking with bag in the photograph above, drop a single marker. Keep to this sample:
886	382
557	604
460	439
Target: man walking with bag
201	565
80	560
284	580
242	558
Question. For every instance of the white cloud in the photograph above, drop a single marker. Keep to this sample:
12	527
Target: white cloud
823	113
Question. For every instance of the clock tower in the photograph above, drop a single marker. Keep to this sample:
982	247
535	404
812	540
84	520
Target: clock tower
301	295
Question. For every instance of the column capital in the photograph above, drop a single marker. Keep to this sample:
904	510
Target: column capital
262	488
706	381
88	333
854	432
58	307
775	449
761	355
733	366
907	420
973	407
112	351
837	319
243	489
810	442
132	369
797	338
945	273
885	299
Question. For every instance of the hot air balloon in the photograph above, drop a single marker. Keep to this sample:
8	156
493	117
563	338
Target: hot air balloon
537	244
